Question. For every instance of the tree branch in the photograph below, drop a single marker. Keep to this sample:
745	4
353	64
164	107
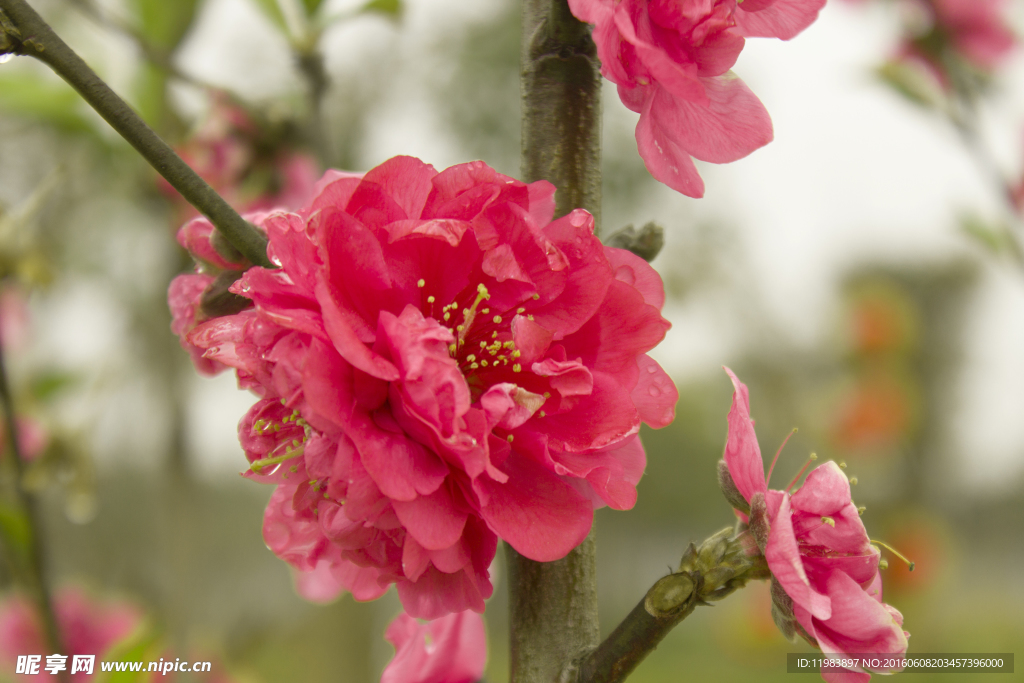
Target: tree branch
31	36
553	605
26	551
719	567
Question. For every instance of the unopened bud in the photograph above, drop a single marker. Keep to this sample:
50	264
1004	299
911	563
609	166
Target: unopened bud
730	490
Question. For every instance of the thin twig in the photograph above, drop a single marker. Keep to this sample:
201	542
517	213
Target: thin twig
34	574
718	568
37	39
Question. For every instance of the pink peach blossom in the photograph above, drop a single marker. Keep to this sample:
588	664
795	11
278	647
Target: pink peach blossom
817	550
440	364
87	627
977	29
451	649
671	61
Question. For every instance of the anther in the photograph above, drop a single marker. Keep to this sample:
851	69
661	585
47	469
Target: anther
853	481
861	509
842	464
431	299
517	368
510	437
421	283
828	520
497	319
894	552
520	310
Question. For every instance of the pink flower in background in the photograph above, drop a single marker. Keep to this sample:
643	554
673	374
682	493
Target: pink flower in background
817	550
452	649
32	437
977	29
14	318
671	61
87	627
247	162
440	364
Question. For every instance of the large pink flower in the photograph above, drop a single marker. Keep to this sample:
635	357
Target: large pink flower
452	649
440	364
87	627
817	550
671	61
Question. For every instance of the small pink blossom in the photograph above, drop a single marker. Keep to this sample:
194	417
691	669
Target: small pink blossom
32	437
246	163
87	627
671	61
440	364
817	550
451	649
977	29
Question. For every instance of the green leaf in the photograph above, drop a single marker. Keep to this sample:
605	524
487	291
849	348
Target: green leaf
47	384
391	8
312	6
164	23
273	12
42	99
912	83
995	238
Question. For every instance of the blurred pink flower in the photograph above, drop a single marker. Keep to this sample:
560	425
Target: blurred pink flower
32	437
817	550
440	364
252	168
671	61
14	318
452	649
976	28
87	627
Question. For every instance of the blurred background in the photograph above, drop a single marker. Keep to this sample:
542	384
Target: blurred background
858	274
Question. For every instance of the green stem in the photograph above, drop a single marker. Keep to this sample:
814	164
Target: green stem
35	38
718	568
29	557
553	605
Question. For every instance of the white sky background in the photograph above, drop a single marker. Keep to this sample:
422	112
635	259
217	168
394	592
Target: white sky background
854	174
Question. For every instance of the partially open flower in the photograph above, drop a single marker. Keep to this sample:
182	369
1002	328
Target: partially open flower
671	61
440	364
826	585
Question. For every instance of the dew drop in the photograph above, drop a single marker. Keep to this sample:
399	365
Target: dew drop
6	58
654	391
651	369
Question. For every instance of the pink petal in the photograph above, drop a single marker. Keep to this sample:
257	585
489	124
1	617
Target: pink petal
655	395
663	156
535	512
433	520
732	125
742	453
786	565
783	19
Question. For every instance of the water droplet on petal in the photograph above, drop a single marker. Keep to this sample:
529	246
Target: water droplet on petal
651	369
654	391
6	58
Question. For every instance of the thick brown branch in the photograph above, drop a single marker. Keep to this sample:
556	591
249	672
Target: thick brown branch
36	39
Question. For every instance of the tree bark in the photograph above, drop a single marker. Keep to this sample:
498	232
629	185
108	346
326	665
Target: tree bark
553	605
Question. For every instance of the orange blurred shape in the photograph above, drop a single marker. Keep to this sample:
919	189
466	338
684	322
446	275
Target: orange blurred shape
880	323
876	412
921	542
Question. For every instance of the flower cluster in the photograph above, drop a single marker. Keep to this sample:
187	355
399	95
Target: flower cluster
451	649
440	364
87	626
826	584
671	62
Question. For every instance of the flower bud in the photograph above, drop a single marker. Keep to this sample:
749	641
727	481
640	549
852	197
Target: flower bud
729	490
